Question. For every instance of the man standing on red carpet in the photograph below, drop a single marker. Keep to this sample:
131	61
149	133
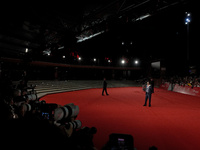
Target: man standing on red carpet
104	87
148	91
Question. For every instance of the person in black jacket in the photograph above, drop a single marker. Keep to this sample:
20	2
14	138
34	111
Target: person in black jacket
104	87
148	90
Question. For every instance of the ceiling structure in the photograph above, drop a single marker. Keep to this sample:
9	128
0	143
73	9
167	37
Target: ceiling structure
46	29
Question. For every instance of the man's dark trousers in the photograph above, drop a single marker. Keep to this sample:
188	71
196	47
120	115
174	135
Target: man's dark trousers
148	96
104	89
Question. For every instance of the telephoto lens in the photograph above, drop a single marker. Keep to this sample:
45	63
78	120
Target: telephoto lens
67	111
27	107
76	124
30	97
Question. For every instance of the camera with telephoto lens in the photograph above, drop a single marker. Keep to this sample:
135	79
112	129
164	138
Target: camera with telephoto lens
26	107
41	109
76	124
66	112
65	117
47	111
31	95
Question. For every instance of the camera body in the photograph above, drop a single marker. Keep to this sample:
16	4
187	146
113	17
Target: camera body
121	141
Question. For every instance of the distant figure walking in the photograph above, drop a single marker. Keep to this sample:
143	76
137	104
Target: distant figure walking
104	87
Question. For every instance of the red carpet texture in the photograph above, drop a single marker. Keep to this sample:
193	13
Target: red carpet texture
173	121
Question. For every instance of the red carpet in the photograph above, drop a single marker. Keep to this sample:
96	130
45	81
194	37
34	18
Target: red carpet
173	121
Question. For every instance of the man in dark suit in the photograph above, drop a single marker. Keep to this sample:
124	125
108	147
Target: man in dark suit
104	87
148	90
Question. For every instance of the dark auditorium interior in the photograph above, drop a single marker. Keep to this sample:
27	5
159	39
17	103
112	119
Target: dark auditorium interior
59	47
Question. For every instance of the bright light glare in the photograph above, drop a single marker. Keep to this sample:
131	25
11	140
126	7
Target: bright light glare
26	51
95	59
188	18
79	58
136	62
123	61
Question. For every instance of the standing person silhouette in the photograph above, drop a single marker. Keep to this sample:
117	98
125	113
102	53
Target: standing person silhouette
104	87
148	91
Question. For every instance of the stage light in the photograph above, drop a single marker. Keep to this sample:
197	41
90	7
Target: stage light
95	59
123	61
63	56
187	22
188	18
136	62
79	58
109	60
26	51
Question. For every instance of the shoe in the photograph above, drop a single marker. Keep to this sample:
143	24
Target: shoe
102	94
144	105
107	94
149	105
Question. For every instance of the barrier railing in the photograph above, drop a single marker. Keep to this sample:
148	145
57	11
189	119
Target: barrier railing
195	91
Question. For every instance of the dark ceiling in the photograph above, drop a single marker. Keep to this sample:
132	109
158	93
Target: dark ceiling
36	30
